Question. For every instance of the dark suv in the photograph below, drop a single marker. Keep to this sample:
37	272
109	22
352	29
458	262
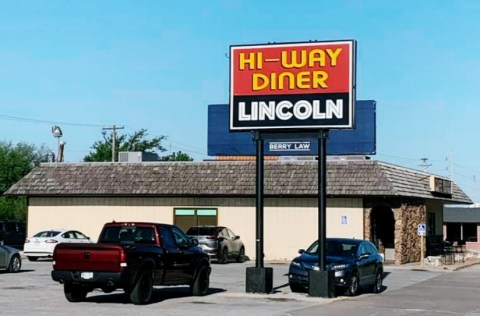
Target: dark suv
219	242
12	233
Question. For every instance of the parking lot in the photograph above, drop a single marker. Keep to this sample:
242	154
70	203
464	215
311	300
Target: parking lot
33	292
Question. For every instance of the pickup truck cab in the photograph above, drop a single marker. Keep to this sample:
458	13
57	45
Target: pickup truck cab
134	257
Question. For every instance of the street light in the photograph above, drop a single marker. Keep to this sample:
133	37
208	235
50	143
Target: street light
57	133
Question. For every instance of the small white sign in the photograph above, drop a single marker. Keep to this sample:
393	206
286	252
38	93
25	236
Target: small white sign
344	220
422	230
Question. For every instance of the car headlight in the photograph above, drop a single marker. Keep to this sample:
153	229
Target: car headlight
337	267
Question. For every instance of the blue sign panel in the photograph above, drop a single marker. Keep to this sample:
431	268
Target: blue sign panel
358	141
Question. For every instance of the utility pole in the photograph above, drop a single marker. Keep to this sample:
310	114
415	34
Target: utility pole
451	165
114	136
474	186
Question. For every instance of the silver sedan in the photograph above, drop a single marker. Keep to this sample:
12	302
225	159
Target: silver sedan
10	259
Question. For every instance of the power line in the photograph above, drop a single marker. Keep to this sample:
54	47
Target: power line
30	120
196	150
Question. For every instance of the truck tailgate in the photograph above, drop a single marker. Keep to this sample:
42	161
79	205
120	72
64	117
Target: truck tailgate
87	257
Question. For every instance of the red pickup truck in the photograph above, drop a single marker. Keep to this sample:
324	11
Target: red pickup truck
133	257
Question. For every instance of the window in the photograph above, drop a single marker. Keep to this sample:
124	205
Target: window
470	232
454	231
186	218
167	238
180	238
371	248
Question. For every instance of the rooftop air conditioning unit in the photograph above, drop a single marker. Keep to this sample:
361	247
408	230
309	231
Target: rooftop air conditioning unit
136	156
130	156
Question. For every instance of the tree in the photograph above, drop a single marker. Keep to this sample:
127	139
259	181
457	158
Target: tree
177	156
102	150
16	161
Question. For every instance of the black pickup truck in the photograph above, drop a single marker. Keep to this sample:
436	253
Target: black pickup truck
133	257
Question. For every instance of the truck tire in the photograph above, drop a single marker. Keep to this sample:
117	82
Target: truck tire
74	294
143	289
202	282
15	264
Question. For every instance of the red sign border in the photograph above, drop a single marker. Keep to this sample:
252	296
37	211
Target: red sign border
352	86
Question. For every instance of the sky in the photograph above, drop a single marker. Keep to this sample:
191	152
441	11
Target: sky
85	65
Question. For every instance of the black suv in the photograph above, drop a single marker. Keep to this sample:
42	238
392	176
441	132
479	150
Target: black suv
219	242
12	233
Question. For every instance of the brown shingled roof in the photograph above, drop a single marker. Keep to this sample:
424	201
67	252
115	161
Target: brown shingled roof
226	178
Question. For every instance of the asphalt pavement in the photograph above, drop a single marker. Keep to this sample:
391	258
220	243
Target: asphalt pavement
33	292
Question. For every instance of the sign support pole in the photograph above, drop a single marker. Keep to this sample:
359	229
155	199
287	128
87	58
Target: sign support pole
322	282
259	279
422	250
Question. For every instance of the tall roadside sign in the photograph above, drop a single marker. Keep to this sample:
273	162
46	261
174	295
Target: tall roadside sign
289	91
292	86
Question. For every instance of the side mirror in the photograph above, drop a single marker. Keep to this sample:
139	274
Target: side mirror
88	237
237	237
221	239
363	256
301	251
194	241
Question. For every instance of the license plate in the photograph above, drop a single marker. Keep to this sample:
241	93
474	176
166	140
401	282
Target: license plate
86	275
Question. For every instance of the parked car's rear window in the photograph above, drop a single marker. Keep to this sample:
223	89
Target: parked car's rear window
204	231
50	233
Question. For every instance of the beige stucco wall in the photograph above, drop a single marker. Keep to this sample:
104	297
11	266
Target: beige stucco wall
290	223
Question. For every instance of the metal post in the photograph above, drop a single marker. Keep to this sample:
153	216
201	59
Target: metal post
259	201
258	278
322	282
322	199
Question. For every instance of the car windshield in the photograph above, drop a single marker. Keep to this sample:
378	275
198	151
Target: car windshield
50	233
203	231
336	248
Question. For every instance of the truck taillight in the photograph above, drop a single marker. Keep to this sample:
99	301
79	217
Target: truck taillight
123	259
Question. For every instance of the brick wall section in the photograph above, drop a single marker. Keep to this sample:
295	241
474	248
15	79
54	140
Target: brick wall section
407	242
408	213
367	232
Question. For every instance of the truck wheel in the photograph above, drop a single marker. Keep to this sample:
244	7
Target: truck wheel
74	293
15	264
143	289
201	283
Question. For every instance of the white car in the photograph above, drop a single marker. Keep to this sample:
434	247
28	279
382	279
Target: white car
42	244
